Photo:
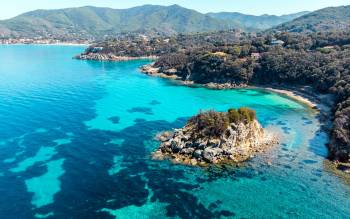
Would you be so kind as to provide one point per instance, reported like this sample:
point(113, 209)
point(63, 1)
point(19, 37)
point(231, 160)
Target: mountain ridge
point(326, 19)
point(259, 22)
point(101, 22)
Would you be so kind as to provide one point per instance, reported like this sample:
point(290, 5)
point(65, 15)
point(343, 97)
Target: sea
point(76, 139)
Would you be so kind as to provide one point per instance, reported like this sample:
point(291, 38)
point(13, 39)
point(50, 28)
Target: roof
point(277, 42)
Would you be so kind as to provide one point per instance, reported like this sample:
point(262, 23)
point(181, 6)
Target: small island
point(215, 138)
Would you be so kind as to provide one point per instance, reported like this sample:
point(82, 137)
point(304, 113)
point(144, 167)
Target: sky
point(11, 8)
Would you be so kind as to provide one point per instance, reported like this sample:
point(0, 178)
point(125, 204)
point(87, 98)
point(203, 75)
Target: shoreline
point(108, 57)
point(295, 96)
point(309, 99)
point(321, 103)
point(47, 44)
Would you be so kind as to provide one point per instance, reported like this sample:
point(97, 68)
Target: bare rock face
point(237, 142)
point(110, 57)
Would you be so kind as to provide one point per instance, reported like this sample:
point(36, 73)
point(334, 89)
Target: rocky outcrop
point(153, 71)
point(173, 74)
point(237, 142)
point(110, 57)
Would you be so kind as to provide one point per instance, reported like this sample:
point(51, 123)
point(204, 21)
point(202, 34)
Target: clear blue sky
point(11, 8)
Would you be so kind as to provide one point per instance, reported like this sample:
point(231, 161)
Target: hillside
point(327, 19)
point(98, 23)
point(93, 22)
point(255, 22)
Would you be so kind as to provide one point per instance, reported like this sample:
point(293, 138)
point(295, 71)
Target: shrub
point(247, 114)
point(214, 124)
point(210, 123)
point(241, 115)
point(233, 116)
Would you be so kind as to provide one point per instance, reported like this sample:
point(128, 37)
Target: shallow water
point(76, 136)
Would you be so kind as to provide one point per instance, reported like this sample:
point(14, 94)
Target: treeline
point(136, 45)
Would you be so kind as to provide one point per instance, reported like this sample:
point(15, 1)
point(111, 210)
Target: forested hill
point(327, 19)
point(99, 23)
point(93, 22)
point(256, 22)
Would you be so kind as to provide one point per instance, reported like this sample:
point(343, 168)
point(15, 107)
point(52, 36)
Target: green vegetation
point(214, 124)
point(100, 23)
point(251, 22)
point(243, 114)
point(319, 60)
point(316, 59)
point(327, 19)
point(210, 123)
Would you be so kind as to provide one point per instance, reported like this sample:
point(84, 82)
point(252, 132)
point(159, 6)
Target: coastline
point(321, 103)
point(295, 95)
point(111, 57)
point(301, 95)
point(47, 44)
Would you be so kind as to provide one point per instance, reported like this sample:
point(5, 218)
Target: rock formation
point(214, 138)
point(110, 57)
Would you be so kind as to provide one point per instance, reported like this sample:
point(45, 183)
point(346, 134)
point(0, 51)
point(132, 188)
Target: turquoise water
point(76, 136)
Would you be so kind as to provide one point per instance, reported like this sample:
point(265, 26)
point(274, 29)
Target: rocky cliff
point(210, 138)
point(110, 57)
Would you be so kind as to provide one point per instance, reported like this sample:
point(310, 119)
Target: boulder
point(210, 154)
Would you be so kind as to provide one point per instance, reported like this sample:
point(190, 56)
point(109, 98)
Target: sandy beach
point(296, 96)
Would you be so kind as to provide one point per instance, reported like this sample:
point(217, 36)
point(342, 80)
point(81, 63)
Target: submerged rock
point(214, 138)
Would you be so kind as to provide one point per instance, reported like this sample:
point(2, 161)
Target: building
point(255, 55)
point(275, 42)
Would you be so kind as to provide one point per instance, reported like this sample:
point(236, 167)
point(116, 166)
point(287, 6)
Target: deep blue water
point(76, 138)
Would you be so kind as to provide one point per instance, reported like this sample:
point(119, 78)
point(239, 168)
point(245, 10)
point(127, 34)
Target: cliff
point(215, 138)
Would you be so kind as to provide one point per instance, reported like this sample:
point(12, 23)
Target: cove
point(84, 130)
